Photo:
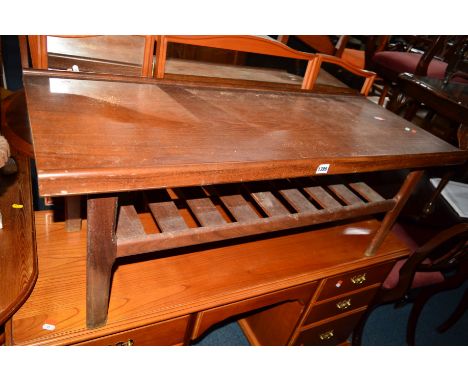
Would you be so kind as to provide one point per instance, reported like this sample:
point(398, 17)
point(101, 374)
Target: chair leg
point(451, 283)
point(383, 94)
point(456, 315)
point(415, 313)
point(429, 206)
point(411, 110)
point(358, 329)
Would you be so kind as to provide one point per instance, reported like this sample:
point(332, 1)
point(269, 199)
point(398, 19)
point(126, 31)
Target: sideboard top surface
point(197, 278)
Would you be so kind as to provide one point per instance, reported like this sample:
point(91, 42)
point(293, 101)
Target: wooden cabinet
point(330, 316)
point(271, 284)
point(339, 304)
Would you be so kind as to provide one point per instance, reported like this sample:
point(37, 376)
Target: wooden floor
point(159, 287)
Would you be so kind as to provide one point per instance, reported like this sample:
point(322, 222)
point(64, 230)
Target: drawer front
point(210, 317)
point(353, 281)
point(164, 333)
point(340, 305)
point(332, 333)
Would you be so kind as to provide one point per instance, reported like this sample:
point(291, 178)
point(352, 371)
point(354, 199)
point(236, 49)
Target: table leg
point(462, 135)
point(102, 248)
point(73, 213)
point(410, 112)
point(429, 206)
point(401, 198)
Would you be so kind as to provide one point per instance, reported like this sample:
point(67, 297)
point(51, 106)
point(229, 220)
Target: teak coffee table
point(225, 162)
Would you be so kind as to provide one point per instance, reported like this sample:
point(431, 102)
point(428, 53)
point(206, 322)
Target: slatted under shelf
point(194, 215)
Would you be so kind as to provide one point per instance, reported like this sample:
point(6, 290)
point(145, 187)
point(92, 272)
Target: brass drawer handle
point(327, 335)
point(125, 343)
point(358, 279)
point(344, 304)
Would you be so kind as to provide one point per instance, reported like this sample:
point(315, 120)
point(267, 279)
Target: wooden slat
point(269, 204)
point(345, 194)
point(298, 201)
point(239, 208)
point(167, 217)
point(129, 224)
point(366, 192)
point(322, 197)
point(206, 212)
point(161, 241)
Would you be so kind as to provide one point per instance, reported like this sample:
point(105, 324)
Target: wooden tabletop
point(450, 100)
point(94, 136)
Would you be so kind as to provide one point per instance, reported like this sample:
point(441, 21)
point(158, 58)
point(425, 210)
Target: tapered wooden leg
point(401, 198)
point(418, 306)
point(456, 315)
point(102, 248)
point(359, 328)
point(383, 94)
point(73, 213)
point(429, 207)
point(462, 135)
point(411, 111)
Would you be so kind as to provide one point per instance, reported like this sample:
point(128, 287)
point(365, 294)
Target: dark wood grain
point(365, 191)
point(129, 225)
point(269, 203)
point(345, 194)
point(15, 123)
point(239, 208)
point(298, 201)
point(167, 216)
point(18, 258)
point(206, 212)
point(101, 251)
point(293, 130)
point(198, 235)
point(73, 213)
point(322, 197)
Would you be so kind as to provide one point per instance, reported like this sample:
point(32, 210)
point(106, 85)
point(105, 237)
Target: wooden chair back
point(121, 55)
point(369, 77)
point(440, 264)
point(259, 45)
point(241, 43)
point(323, 44)
point(445, 252)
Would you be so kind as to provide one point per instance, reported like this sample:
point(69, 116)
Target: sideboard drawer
point(331, 333)
point(340, 305)
point(210, 317)
point(164, 333)
point(355, 280)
